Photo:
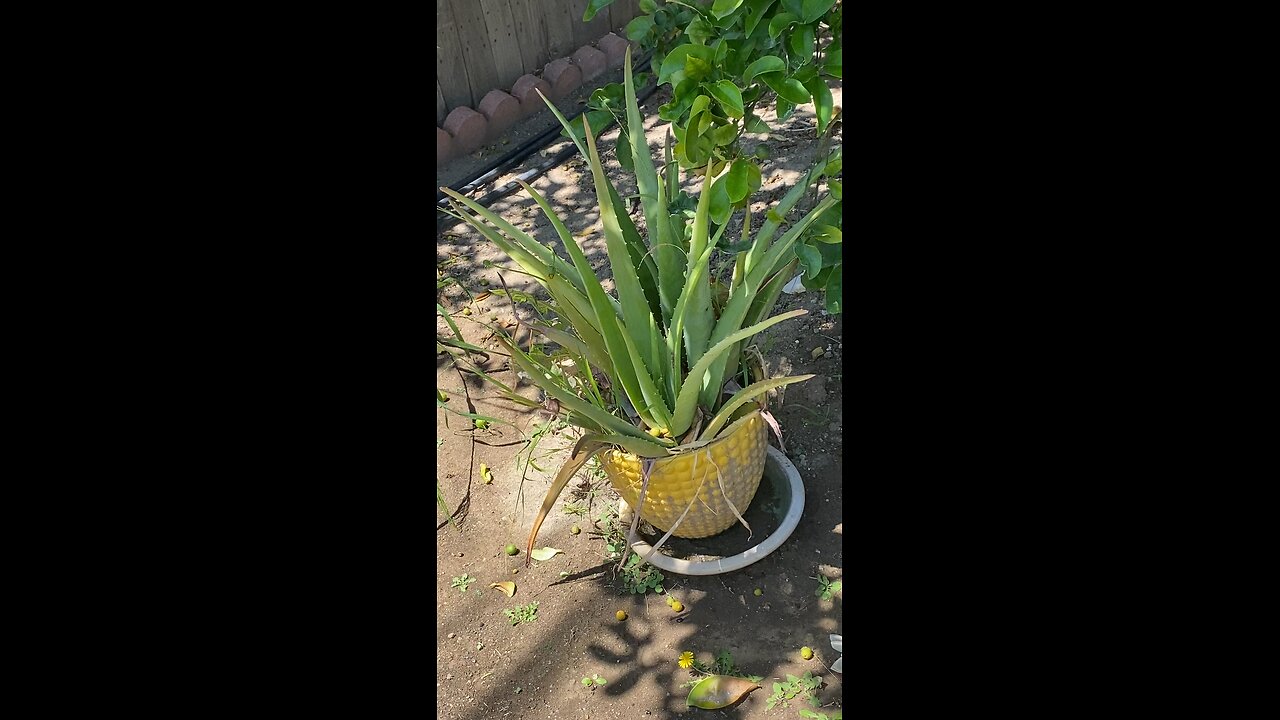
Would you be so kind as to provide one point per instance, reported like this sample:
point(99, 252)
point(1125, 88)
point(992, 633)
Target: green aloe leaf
point(688, 398)
point(744, 396)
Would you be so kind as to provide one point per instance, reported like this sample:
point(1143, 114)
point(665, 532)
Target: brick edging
point(466, 129)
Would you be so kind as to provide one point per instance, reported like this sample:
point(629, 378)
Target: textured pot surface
point(732, 465)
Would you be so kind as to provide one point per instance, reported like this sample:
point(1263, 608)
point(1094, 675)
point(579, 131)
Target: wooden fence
point(484, 45)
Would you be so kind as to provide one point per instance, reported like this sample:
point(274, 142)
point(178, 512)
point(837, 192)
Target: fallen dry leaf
point(507, 587)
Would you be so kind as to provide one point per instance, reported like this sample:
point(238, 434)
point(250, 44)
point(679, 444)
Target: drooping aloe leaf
point(687, 400)
point(526, 242)
point(642, 448)
point(742, 397)
point(718, 691)
point(598, 416)
point(523, 258)
point(592, 354)
point(575, 461)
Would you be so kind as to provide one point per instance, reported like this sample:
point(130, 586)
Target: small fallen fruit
point(677, 606)
point(466, 311)
point(511, 549)
point(758, 592)
point(806, 653)
point(575, 529)
point(620, 615)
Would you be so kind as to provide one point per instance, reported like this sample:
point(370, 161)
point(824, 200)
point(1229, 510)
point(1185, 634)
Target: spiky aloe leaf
point(736, 309)
point(742, 397)
point(688, 398)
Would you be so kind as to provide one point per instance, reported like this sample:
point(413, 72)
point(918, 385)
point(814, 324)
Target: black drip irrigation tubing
point(517, 156)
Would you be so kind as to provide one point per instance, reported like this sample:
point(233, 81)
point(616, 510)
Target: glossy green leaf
point(648, 6)
point(623, 153)
point(800, 41)
point(729, 97)
point(723, 135)
point(832, 62)
point(638, 29)
point(835, 288)
point(721, 8)
point(810, 259)
point(718, 691)
point(784, 108)
point(754, 13)
point(766, 64)
point(788, 89)
point(593, 7)
point(721, 207)
point(822, 102)
point(780, 23)
point(674, 62)
point(811, 10)
point(757, 126)
point(696, 68)
point(827, 233)
point(736, 181)
point(837, 190)
point(700, 31)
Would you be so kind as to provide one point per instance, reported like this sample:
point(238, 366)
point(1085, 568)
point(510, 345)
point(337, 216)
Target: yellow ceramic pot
point(729, 467)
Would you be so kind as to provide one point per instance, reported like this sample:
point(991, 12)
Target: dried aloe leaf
point(545, 553)
point(716, 691)
point(507, 587)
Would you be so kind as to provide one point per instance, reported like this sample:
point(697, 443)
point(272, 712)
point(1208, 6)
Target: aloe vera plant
point(665, 349)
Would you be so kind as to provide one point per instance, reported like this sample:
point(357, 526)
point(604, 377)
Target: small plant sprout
point(462, 582)
point(593, 681)
point(826, 587)
point(804, 688)
point(522, 614)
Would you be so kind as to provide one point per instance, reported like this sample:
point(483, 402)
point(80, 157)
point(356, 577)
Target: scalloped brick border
point(466, 129)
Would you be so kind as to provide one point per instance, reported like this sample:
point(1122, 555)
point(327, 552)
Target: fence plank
point(620, 13)
point(531, 32)
point(442, 108)
point(560, 19)
point(503, 42)
point(451, 66)
point(473, 35)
